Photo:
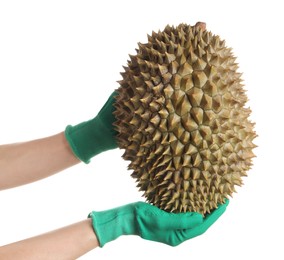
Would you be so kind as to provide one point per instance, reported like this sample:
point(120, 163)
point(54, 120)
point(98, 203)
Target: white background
point(59, 62)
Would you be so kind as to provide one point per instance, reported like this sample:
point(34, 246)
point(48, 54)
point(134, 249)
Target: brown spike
point(189, 123)
point(186, 83)
point(163, 69)
point(197, 114)
point(199, 78)
point(185, 69)
point(199, 64)
point(195, 96)
point(169, 58)
point(177, 148)
point(168, 91)
point(176, 81)
point(173, 121)
point(155, 120)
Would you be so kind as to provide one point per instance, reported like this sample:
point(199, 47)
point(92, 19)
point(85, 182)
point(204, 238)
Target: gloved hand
point(97, 135)
point(151, 223)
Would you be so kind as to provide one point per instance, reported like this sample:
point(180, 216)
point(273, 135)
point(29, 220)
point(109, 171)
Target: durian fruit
point(181, 118)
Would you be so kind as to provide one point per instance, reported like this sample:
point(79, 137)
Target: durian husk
point(182, 119)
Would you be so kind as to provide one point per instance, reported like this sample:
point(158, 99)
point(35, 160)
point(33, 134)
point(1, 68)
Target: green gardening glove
point(151, 223)
point(97, 135)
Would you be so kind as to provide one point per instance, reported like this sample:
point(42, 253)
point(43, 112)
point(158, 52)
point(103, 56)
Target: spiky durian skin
point(181, 118)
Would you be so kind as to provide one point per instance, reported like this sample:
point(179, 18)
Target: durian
point(182, 120)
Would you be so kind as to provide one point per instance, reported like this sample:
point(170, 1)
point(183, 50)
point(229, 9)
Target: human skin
point(26, 162)
point(30, 161)
point(69, 242)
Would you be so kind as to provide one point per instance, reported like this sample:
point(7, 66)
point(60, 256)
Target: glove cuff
point(90, 138)
point(111, 224)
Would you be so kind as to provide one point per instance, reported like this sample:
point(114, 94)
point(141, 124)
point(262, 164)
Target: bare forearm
point(22, 163)
point(69, 242)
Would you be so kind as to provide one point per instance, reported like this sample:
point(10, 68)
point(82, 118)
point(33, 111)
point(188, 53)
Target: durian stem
point(201, 25)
